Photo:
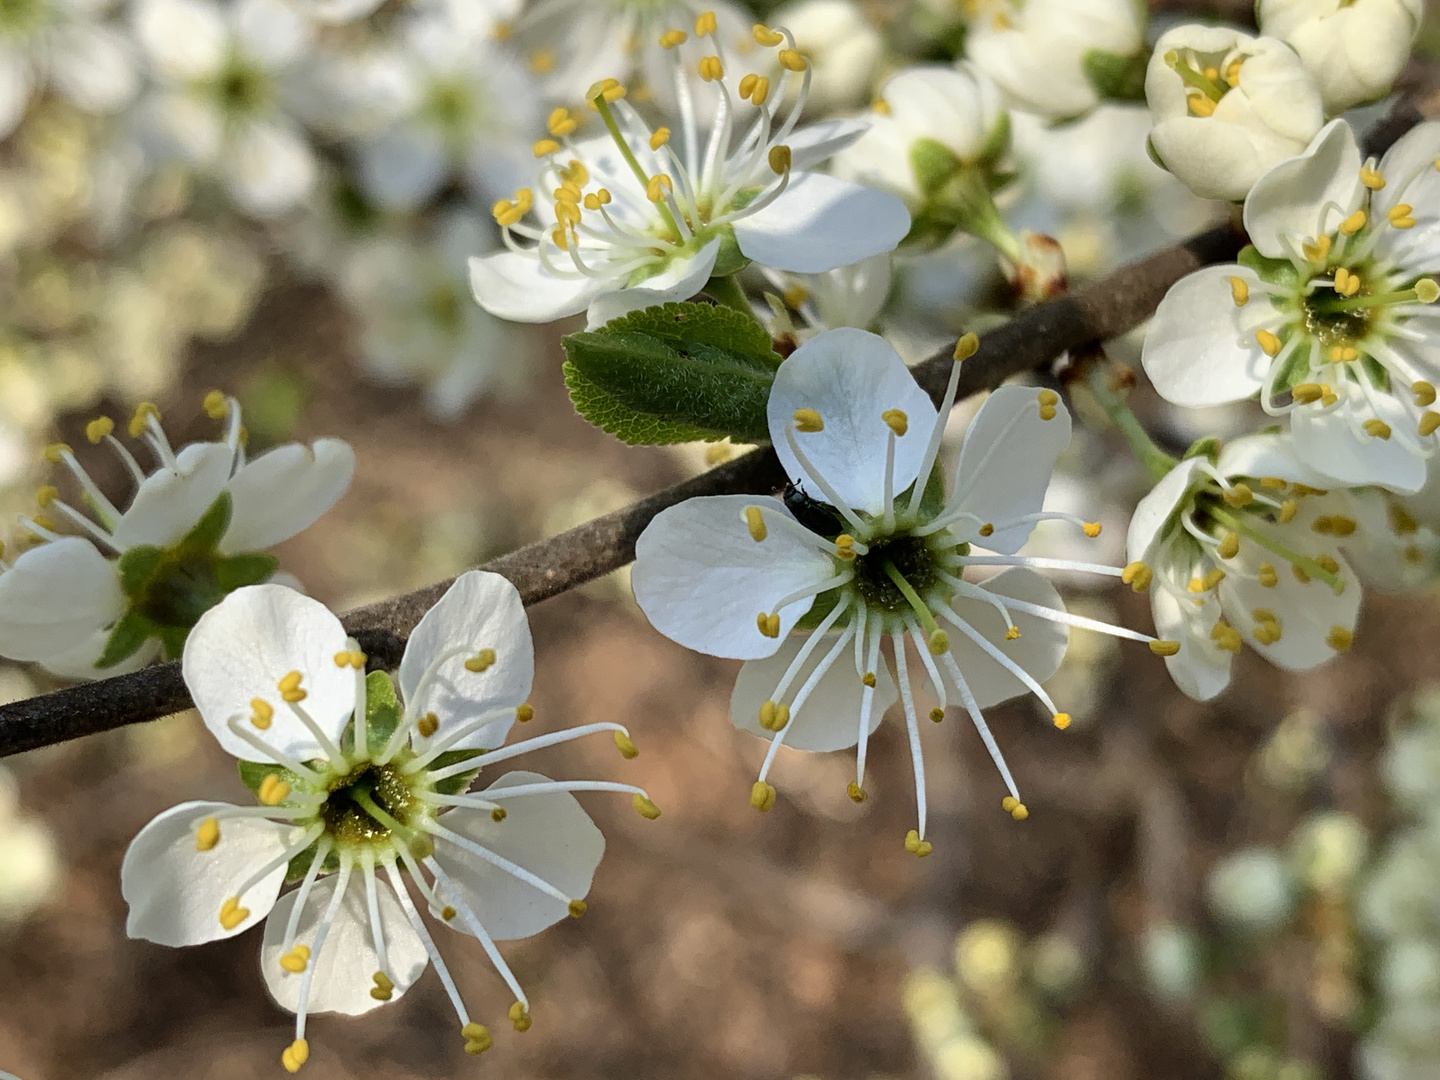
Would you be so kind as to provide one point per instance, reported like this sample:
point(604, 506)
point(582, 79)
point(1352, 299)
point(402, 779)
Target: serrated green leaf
point(126, 638)
point(627, 425)
point(687, 323)
point(206, 534)
point(238, 571)
point(137, 566)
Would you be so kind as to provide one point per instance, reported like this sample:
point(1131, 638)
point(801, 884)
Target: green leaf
point(730, 331)
point(1117, 78)
point(627, 425)
point(126, 638)
point(382, 710)
point(205, 536)
point(456, 784)
point(138, 566)
point(237, 571)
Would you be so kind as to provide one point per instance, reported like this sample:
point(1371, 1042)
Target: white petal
point(1266, 454)
point(816, 143)
point(15, 85)
point(56, 597)
point(701, 579)
point(682, 279)
point(516, 287)
point(284, 491)
point(93, 66)
point(1330, 444)
point(549, 835)
point(1200, 349)
point(480, 611)
point(1308, 195)
point(175, 891)
point(403, 167)
point(821, 222)
point(171, 501)
point(185, 39)
point(1038, 650)
point(269, 168)
point(271, 31)
point(344, 970)
point(1411, 158)
point(829, 719)
point(1006, 463)
point(1201, 669)
point(850, 377)
point(241, 649)
point(1154, 510)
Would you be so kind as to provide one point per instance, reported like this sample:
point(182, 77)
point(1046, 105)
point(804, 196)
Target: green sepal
point(1208, 448)
point(729, 259)
point(1116, 78)
point(933, 164)
point(453, 785)
point(126, 638)
point(137, 566)
point(996, 145)
point(382, 711)
point(238, 571)
point(253, 774)
point(207, 533)
point(1274, 271)
point(674, 373)
point(172, 640)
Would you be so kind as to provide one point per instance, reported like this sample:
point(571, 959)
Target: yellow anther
point(98, 428)
point(1272, 483)
point(261, 713)
point(427, 725)
point(896, 421)
point(502, 31)
point(1009, 803)
point(1328, 397)
point(1306, 392)
point(44, 522)
point(46, 495)
point(779, 158)
point(1328, 562)
point(1288, 509)
point(644, 807)
point(273, 791)
point(774, 717)
point(868, 679)
point(1062, 720)
point(1020, 812)
point(755, 522)
point(1377, 428)
point(1399, 216)
point(1339, 639)
point(659, 137)
point(1371, 178)
point(295, 1055)
point(1226, 636)
point(987, 529)
point(1012, 634)
point(1138, 576)
point(1268, 342)
point(1346, 283)
point(577, 908)
point(711, 70)
point(561, 122)
point(1239, 291)
point(290, 689)
point(705, 24)
point(207, 835)
point(967, 346)
point(794, 296)
point(768, 625)
point(626, 745)
point(1229, 547)
point(916, 846)
point(507, 213)
point(766, 37)
point(1232, 72)
point(671, 39)
point(881, 107)
point(296, 960)
point(545, 147)
point(1353, 224)
point(756, 88)
point(1238, 495)
point(480, 661)
point(808, 420)
point(1264, 615)
point(1333, 525)
point(596, 199)
point(350, 659)
point(1427, 290)
point(855, 791)
point(1212, 579)
point(1402, 523)
point(1200, 105)
point(1091, 529)
point(567, 213)
point(232, 914)
point(1164, 648)
point(55, 452)
point(1047, 412)
point(1317, 250)
point(477, 1038)
point(1301, 575)
point(939, 643)
point(1047, 397)
point(747, 84)
point(658, 187)
point(937, 714)
point(791, 60)
point(541, 61)
point(144, 413)
point(1212, 73)
point(497, 815)
point(1268, 578)
point(1429, 421)
point(762, 796)
point(845, 547)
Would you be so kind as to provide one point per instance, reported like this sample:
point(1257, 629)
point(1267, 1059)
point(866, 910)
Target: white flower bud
point(843, 49)
point(1355, 49)
point(1227, 106)
point(1057, 58)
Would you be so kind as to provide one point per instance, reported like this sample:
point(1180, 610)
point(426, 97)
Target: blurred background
point(1246, 889)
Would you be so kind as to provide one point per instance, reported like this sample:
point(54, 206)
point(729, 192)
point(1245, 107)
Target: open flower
point(636, 218)
point(867, 548)
point(131, 584)
point(360, 790)
point(1328, 317)
point(1227, 106)
point(1355, 48)
point(1244, 549)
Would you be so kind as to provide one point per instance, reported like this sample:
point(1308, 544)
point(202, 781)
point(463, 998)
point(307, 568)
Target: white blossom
point(1354, 48)
point(1328, 317)
point(360, 790)
point(1227, 106)
point(868, 548)
point(844, 48)
point(124, 585)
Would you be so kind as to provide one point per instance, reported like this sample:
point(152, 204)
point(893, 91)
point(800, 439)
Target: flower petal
point(1306, 196)
point(701, 578)
point(851, 378)
point(816, 143)
point(401, 168)
point(1006, 463)
point(93, 65)
point(821, 222)
point(55, 597)
point(1330, 444)
point(1038, 650)
point(175, 891)
point(284, 491)
point(268, 167)
point(16, 83)
point(829, 719)
point(550, 835)
point(343, 971)
point(682, 279)
point(1154, 510)
point(479, 611)
point(1201, 669)
point(241, 649)
point(171, 501)
point(1200, 348)
point(517, 287)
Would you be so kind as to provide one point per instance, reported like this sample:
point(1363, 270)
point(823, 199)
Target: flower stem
point(1155, 460)
point(728, 292)
point(1244, 528)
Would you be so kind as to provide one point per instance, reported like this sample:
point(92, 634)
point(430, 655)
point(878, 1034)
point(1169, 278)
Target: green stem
point(611, 125)
point(911, 596)
point(1244, 528)
point(1156, 461)
point(727, 290)
point(967, 201)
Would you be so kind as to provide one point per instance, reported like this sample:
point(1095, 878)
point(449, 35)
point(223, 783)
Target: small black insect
point(815, 515)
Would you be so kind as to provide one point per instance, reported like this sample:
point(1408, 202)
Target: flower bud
point(1227, 106)
point(1354, 51)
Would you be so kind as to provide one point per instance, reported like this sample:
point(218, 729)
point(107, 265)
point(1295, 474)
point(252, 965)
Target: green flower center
point(243, 88)
point(912, 558)
point(366, 804)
